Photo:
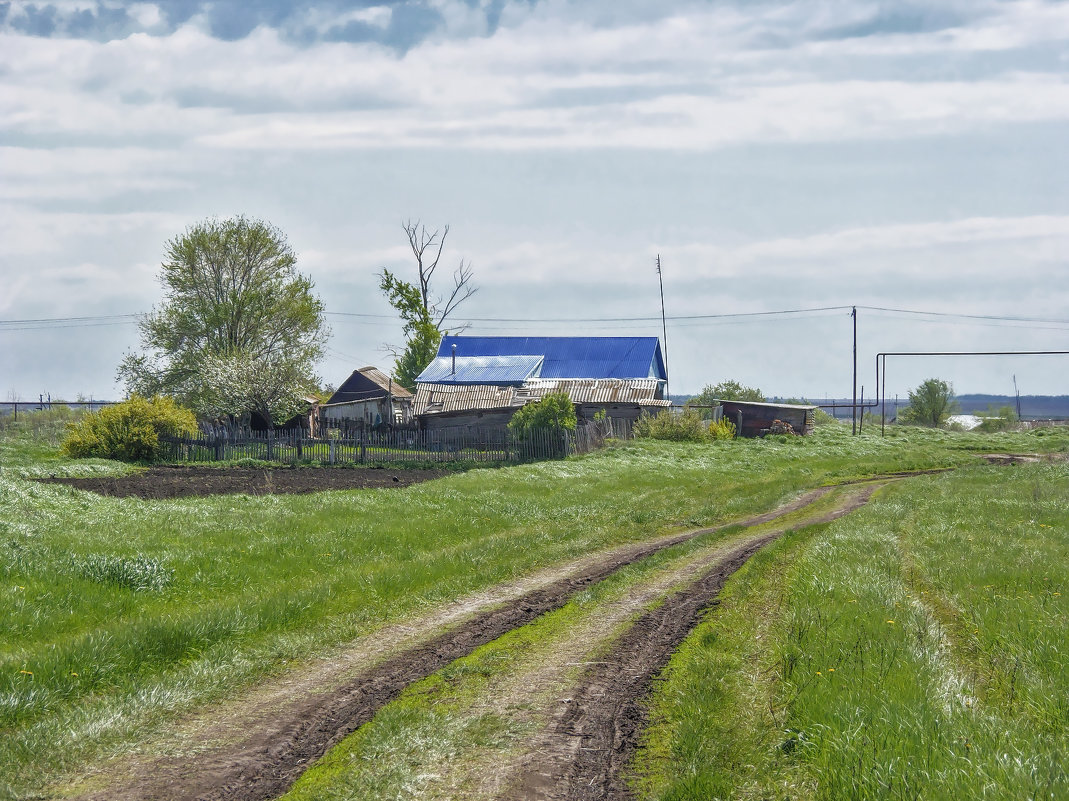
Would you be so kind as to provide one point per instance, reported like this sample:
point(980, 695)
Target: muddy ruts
point(599, 732)
point(266, 762)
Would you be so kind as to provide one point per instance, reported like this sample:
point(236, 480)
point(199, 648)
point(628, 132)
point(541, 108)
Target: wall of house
point(473, 421)
point(368, 414)
point(617, 411)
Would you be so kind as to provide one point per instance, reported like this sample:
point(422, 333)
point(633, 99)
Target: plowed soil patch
point(191, 482)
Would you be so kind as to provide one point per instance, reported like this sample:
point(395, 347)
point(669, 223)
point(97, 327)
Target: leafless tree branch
point(462, 290)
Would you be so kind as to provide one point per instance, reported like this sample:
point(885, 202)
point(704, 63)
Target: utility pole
point(664, 325)
point(853, 314)
point(1017, 395)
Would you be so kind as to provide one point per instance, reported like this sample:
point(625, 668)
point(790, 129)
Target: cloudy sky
point(899, 156)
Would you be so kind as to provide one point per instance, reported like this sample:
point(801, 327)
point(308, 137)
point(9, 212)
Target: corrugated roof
point(367, 383)
point(438, 398)
point(642, 391)
point(376, 376)
point(570, 357)
point(481, 370)
point(766, 405)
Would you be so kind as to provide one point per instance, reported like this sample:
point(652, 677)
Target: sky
point(907, 158)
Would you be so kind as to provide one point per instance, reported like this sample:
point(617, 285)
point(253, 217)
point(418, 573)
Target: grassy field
point(123, 614)
point(915, 649)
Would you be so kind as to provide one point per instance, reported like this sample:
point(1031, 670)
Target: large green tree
point(423, 313)
point(239, 330)
point(712, 394)
point(930, 404)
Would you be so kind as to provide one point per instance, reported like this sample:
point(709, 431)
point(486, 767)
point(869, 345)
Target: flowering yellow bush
point(128, 431)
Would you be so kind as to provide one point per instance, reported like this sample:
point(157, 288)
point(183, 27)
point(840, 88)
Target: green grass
point(438, 738)
point(912, 650)
point(121, 613)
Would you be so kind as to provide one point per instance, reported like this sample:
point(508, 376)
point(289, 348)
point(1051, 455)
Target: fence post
point(218, 449)
point(363, 454)
point(331, 450)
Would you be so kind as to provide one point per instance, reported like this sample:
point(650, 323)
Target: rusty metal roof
point(437, 398)
point(367, 383)
point(642, 391)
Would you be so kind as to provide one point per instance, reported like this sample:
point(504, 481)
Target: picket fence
point(445, 445)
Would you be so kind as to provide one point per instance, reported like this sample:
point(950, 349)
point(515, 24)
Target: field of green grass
point(124, 614)
point(915, 649)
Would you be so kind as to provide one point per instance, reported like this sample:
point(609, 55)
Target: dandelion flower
point(891, 622)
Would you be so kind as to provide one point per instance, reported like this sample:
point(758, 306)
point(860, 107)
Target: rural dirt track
point(272, 753)
point(582, 754)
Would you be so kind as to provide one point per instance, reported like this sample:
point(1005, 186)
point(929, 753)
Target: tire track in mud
point(582, 755)
point(266, 763)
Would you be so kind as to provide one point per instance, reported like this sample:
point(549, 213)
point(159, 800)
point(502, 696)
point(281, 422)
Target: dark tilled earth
point(188, 482)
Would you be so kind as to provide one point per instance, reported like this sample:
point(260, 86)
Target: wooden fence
point(378, 448)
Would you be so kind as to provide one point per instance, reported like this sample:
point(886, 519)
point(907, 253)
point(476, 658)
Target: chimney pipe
point(454, 360)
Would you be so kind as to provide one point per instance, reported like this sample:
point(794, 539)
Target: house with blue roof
point(481, 381)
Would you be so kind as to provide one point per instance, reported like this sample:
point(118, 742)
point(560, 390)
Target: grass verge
point(912, 650)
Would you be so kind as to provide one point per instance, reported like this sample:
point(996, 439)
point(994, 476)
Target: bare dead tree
point(427, 248)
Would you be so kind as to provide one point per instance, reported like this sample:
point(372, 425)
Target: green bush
point(128, 431)
point(1000, 419)
point(685, 427)
point(554, 410)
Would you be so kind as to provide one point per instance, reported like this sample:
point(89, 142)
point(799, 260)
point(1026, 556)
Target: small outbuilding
point(367, 399)
point(754, 419)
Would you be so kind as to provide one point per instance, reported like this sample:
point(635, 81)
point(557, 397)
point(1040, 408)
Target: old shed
point(754, 419)
point(367, 399)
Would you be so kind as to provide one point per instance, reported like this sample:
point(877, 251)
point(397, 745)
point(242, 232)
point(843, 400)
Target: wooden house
point(480, 382)
point(367, 399)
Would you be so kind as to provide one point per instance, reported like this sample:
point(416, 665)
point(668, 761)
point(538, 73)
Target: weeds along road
point(263, 743)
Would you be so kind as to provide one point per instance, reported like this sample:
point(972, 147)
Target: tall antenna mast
point(664, 325)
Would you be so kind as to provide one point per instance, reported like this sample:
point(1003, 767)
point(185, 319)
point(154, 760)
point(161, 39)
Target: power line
point(41, 323)
point(999, 317)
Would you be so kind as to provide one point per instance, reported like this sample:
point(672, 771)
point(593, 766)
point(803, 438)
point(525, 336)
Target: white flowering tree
point(239, 330)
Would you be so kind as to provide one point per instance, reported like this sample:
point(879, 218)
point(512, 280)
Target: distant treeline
point(1033, 407)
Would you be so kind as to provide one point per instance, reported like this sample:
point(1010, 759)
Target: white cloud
point(684, 82)
point(890, 241)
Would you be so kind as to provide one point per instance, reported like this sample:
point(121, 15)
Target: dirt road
point(260, 744)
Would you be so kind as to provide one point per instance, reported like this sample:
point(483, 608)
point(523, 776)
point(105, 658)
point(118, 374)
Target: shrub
point(685, 427)
point(554, 410)
point(999, 419)
point(712, 394)
point(128, 431)
point(930, 404)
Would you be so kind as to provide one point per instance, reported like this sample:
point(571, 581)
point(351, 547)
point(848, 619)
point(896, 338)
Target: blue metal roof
point(481, 370)
point(569, 357)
